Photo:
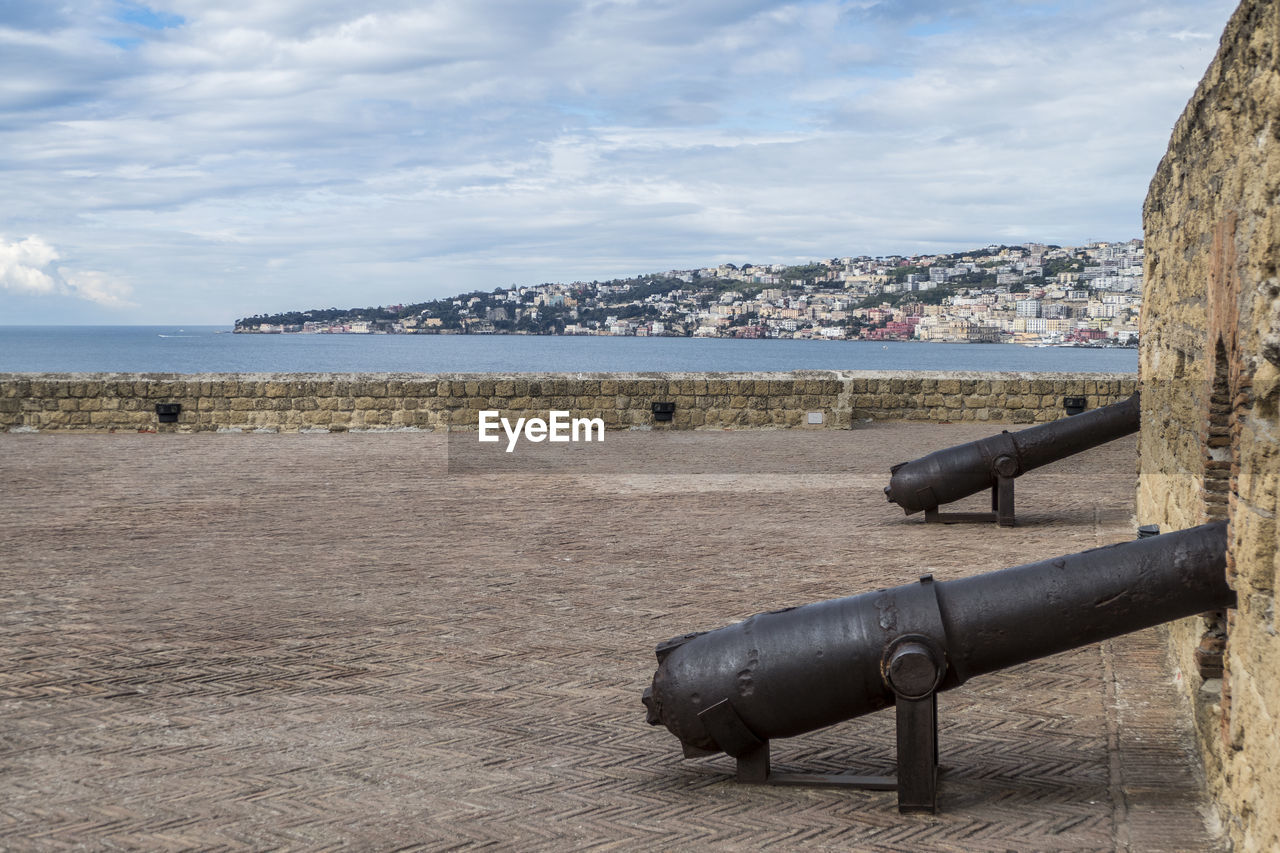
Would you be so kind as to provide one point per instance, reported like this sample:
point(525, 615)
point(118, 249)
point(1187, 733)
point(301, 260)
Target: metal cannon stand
point(912, 666)
point(917, 778)
point(1001, 508)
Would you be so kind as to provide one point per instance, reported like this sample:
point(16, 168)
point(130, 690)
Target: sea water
point(212, 349)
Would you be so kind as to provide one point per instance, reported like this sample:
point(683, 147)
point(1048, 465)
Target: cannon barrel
point(957, 472)
point(787, 672)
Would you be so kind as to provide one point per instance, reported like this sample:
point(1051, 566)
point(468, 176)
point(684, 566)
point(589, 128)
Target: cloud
point(245, 156)
point(97, 287)
point(27, 268)
point(22, 263)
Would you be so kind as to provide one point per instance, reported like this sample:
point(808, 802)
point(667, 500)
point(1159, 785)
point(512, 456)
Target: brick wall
point(337, 402)
point(1210, 368)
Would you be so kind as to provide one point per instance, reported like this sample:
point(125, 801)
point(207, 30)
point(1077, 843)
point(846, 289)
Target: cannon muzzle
point(990, 463)
point(791, 671)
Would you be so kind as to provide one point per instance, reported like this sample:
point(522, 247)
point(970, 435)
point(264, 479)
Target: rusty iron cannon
point(966, 469)
point(787, 672)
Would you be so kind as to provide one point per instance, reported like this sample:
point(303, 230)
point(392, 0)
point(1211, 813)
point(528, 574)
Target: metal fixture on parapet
point(966, 469)
point(663, 411)
point(792, 671)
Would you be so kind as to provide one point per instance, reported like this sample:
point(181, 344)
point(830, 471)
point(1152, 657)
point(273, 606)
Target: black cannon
point(791, 671)
point(966, 469)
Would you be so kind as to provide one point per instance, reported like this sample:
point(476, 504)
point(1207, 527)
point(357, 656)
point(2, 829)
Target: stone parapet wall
point(1210, 368)
point(339, 402)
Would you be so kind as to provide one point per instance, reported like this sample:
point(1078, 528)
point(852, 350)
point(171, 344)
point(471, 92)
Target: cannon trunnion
point(791, 671)
point(966, 469)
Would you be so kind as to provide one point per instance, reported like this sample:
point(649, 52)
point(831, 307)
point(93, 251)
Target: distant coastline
point(1129, 343)
point(1032, 294)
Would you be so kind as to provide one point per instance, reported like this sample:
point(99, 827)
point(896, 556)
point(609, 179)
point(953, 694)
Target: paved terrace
point(318, 641)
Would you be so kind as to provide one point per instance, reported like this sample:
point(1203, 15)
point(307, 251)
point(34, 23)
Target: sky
point(191, 161)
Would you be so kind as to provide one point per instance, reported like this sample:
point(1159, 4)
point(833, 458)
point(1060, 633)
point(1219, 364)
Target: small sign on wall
point(815, 417)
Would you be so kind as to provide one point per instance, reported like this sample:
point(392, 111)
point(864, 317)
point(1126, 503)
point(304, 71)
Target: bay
point(213, 349)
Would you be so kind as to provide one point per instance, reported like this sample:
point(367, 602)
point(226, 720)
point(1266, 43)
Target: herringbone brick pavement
point(222, 642)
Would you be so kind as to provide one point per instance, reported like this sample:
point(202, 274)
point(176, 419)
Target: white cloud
point(97, 287)
point(22, 263)
point(27, 267)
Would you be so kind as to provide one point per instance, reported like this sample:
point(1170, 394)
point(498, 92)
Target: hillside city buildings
point(1032, 294)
